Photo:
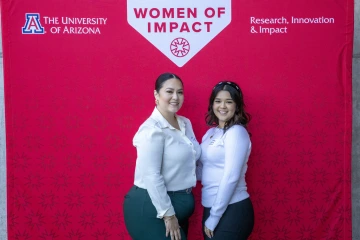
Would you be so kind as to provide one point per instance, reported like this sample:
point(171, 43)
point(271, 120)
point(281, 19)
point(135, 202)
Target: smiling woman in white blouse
point(225, 149)
point(160, 203)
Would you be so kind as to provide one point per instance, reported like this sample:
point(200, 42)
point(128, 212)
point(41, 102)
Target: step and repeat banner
point(79, 81)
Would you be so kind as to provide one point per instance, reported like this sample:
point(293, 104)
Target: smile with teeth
point(174, 103)
point(222, 112)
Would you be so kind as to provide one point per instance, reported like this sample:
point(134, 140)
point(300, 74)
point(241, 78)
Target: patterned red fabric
point(74, 101)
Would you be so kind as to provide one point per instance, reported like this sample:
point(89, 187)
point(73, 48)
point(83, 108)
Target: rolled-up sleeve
point(149, 143)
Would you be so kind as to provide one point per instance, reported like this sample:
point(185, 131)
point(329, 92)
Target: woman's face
point(224, 107)
point(170, 97)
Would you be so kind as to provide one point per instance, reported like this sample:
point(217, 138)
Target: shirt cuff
point(212, 222)
point(169, 212)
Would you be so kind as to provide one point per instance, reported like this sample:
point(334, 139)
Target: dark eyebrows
point(173, 89)
point(227, 99)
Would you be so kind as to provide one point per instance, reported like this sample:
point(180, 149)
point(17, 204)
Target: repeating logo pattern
point(299, 190)
point(70, 158)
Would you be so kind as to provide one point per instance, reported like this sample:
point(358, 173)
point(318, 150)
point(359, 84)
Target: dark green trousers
point(140, 214)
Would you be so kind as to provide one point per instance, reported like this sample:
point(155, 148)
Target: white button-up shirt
point(166, 159)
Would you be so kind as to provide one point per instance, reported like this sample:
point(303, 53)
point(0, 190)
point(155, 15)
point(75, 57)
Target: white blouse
point(222, 168)
point(166, 159)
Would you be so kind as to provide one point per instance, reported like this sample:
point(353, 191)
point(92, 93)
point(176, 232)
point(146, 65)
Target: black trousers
point(236, 223)
point(140, 214)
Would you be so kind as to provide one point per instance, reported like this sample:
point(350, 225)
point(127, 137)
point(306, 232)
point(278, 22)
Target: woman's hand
point(208, 232)
point(172, 227)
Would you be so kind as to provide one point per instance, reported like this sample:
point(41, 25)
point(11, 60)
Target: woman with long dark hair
point(225, 149)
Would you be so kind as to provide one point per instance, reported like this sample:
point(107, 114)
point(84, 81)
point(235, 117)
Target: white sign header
point(179, 28)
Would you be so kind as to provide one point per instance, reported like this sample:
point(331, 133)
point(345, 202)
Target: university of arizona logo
point(32, 24)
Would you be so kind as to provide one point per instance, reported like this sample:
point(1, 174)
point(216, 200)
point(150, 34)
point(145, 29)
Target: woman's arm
point(191, 135)
point(149, 142)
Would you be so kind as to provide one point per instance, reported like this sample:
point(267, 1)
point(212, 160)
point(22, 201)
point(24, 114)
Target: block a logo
point(32, 24)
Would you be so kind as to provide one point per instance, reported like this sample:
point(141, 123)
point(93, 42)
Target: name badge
point(216, 142)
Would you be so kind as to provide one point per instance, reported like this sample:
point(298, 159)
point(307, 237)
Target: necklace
point(215, 131)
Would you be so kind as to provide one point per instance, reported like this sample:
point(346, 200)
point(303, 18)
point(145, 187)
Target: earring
point(156, 101)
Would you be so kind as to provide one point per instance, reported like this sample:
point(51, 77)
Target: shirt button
point(190, 143)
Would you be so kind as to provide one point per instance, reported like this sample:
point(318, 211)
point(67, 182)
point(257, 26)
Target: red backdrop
point(74, 101)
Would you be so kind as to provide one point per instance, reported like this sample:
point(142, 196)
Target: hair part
point(241, 117)
point(163, 78)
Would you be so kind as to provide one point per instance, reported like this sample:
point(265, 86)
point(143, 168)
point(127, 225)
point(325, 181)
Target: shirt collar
point(164, 123)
